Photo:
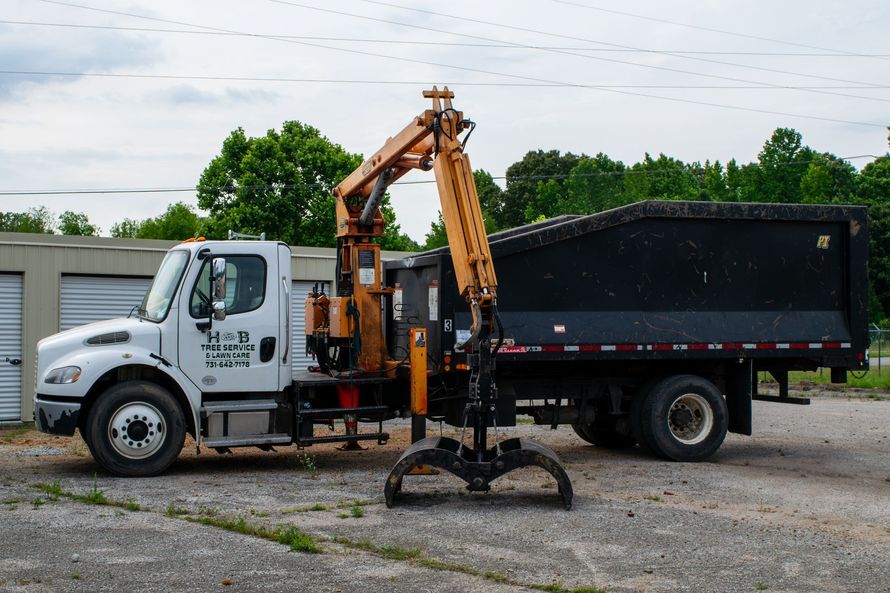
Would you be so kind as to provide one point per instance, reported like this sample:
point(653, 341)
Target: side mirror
point(218, 288)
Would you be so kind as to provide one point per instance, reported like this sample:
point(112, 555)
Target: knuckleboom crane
point(350, 324)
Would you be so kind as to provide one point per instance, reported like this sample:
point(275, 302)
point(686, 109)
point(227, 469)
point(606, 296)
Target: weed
point(345, 504)
point(207, 511)
point(54, 489)
point(174, 511)
point(308, 464)
point(654, 498)
point(557, 588)
point(94, 496)
point(316, 507)
point(760, 587)
point(9, 435)
point(75, 576)
point(298, 540)
point(38, 502)
point(388, 552)
point(357, 512)
point(343, 515)
point(257, 513)
point(132, 505)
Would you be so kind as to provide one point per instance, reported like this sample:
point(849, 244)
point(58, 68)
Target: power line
point(203, 77)
point(261, 187)
point(562, 36)
point(476, 70)
point(709, 29)
point(450, 44)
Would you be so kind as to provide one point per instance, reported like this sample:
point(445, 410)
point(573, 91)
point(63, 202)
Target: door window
point(245, 286)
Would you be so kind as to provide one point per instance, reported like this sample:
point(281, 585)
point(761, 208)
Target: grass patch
point(876, 378)
point(93, 496)
point(357, 512)
point(654, 498)
point(760, 587)
point(8, 435)
point(316, 507)
point(293, 537)
point(175, 511)
point(557, 588)
point(388, 552)
point(75, 576)
point(345, 504)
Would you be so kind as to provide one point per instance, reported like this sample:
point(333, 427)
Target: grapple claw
point(447, 454)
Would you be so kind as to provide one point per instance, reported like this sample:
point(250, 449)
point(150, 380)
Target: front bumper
point(56, 416)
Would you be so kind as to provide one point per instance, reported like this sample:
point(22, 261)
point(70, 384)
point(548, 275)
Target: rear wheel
point(135, 428)
point(682, 418)
point(610, 432)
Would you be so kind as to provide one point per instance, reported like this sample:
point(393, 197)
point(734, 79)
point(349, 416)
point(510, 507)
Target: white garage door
point(86, 299)
point(10, 346)
point(299, 360)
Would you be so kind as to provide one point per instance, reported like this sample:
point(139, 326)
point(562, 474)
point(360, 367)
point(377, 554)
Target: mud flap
point(447, 454)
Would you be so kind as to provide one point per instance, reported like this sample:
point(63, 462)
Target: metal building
point(50, 283)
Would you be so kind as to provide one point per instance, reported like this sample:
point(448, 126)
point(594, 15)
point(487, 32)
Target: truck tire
point(682, 418)
point(135, 428)
point(603, 432)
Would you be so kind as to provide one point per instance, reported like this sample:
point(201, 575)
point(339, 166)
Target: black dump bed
point(661, 279)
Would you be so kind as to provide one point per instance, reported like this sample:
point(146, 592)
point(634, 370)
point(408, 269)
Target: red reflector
point(860, 356)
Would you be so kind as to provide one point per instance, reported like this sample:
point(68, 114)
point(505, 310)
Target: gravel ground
point(804, 505)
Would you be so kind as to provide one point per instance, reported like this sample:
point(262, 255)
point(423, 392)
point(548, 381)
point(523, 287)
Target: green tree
point(128, 228)
point(828, 180)
point(873, 183)
point(34, 220)
point(783, 162)
point(522, 185)
point(437, 237)
point(281, 184)
point(178, 222)
point(873, 190)
point(76, 223)
point(594, 184)
point(664, 178)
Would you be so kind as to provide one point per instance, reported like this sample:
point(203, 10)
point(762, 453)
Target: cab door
point(239, 353)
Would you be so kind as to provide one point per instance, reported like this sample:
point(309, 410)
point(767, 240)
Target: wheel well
point(136, 373)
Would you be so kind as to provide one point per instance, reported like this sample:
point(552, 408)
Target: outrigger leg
point(478, 465)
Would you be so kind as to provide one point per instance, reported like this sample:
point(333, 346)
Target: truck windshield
point(157, 300)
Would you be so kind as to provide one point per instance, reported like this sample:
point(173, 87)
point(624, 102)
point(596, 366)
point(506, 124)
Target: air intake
point(106, 339)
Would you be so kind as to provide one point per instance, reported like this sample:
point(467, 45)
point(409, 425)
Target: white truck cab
point(206, 353)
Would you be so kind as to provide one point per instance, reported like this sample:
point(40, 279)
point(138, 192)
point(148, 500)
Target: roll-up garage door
point(299, 360)
point(86, 299)
point(10, 346)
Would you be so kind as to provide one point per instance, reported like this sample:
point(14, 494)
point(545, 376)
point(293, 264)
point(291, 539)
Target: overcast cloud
point(71, 132)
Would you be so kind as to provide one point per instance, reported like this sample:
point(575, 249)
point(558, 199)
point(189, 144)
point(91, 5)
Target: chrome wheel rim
point(690, 418)
point(137, 430)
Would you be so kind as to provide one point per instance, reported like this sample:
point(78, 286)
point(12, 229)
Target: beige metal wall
point(43, 259)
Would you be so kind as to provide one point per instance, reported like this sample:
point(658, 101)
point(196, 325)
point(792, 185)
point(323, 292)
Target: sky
point(118, 101)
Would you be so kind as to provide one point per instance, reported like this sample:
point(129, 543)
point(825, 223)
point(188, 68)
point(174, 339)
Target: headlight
point(63, 375)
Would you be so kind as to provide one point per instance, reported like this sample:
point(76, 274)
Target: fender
point(97, 363)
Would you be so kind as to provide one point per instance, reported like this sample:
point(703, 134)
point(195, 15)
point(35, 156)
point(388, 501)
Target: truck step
point(249, 439)
point(340, 412)
point(240, 405)
point(380, 437)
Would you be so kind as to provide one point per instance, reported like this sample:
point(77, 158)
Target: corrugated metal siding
point(11, 346)
point(86, 299)
point(299, 360)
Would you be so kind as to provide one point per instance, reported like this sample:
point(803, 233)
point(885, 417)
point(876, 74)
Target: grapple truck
point(644, 324)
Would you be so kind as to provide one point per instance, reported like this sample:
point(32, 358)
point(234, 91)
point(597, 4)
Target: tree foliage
point(76, 223)
point(178, 222)
point(35, 220)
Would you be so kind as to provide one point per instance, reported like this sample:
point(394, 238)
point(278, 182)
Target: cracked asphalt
point(802, 506)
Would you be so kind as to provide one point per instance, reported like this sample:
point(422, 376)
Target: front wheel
point(682, 418)
point(135, 428)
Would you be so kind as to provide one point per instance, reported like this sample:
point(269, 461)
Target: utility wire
point(477, 70)
point(403, 82)
point(450, 44)
point(261, 187)
point(590, 57)
point(709, 29)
